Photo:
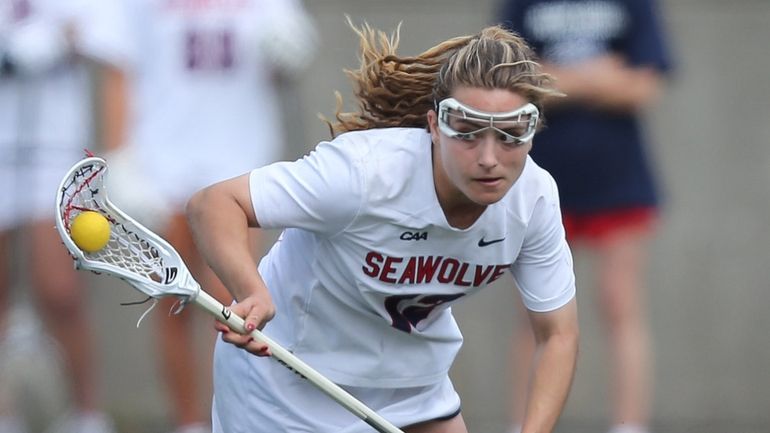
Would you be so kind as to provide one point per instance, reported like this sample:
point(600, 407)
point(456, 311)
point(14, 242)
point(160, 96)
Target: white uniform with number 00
point(364, 278)
point(45, 111)
point(204, 102)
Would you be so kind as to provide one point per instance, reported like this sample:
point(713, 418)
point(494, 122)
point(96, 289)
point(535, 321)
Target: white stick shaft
point(290, 361)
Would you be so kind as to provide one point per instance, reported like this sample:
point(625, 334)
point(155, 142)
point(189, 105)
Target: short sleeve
point(544, 270)
point(322, 192)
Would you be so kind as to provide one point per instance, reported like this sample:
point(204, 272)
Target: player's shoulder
point(383, 143)
point(386, 160)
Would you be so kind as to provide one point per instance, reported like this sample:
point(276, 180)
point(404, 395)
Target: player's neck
point(464, 216)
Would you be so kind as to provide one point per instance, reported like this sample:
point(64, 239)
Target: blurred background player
point(609, 57)
point(196, 101)
point(45, 122)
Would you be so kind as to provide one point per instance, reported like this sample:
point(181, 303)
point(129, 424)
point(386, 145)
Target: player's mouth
point(490, 182)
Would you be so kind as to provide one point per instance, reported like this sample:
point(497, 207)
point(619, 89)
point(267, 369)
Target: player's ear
point(432, 118)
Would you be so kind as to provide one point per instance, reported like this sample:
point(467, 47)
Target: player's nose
point(487, 156)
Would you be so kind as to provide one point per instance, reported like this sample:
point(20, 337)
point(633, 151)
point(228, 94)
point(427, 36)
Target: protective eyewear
point(460, 121)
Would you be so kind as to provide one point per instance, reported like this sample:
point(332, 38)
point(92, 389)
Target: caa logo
point(416, 236)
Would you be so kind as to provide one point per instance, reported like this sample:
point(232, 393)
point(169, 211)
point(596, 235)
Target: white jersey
point(45, 110)
point(204, 101)
point(48, 106)
point(364, 278)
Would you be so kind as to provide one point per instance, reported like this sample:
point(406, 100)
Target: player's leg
point(176, 343)
point(179, 348)
point(453, 425)
point(8, 421)
point(622, 256)
point(9, 217)
point(62, 305)
point(58, 291)
point(5, 295)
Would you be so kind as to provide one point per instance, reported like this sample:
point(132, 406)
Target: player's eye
point(516, 131)
point(509, 139)
point(506, 138)
point(467, 136)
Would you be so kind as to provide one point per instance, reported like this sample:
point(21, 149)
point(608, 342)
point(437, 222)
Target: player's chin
point(487, 198)
point(488, 194)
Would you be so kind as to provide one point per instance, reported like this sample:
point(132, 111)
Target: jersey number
point(406, 311)
point(209, 50)
point(20, 9)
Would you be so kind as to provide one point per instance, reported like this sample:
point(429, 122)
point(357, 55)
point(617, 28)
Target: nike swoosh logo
point(483, 243)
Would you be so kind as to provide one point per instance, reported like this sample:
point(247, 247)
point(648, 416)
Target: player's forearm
point(221, 233)
point(615, 88)
point(551, 383)
point(632, 90)
point(114, 102)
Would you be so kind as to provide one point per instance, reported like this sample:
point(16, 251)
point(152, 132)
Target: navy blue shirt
point(598, 158)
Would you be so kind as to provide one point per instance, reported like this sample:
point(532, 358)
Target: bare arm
point(556, 336)
point(607, 82)
point(114, 102)
point(220, 217)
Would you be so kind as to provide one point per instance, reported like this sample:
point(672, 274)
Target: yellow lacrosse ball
point(90, 231)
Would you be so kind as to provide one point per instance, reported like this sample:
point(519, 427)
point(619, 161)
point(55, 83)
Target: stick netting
point(126, 249)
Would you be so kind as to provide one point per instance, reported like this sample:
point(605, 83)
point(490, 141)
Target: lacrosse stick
point(149, 263)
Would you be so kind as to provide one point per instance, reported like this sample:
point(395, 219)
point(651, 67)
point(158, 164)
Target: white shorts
point(270, 398)
point(30, 179)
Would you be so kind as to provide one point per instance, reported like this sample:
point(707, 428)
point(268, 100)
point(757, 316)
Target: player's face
point(479, 161)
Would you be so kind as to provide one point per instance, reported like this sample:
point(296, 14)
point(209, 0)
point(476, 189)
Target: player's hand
point(256, 311)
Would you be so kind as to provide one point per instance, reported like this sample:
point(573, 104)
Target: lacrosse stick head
point(133, 253)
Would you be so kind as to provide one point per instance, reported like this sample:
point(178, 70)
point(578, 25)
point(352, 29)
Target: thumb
point(251, 321)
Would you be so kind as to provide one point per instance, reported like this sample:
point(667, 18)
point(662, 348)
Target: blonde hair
point(395, 91)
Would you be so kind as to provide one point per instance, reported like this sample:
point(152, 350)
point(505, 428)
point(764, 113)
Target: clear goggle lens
point(460, 121)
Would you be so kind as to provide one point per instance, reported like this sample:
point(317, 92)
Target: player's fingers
point(252, 322)
point(220, 327)
point(257, 348)
point(232, 337)
point(243, 341)
point(257, 317)
point(229, 335)
point(223, 327)
point(255, 313)
point(246, 342)
point(241, 309)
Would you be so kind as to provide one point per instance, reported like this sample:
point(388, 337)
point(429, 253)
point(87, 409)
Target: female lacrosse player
point(425, 196)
